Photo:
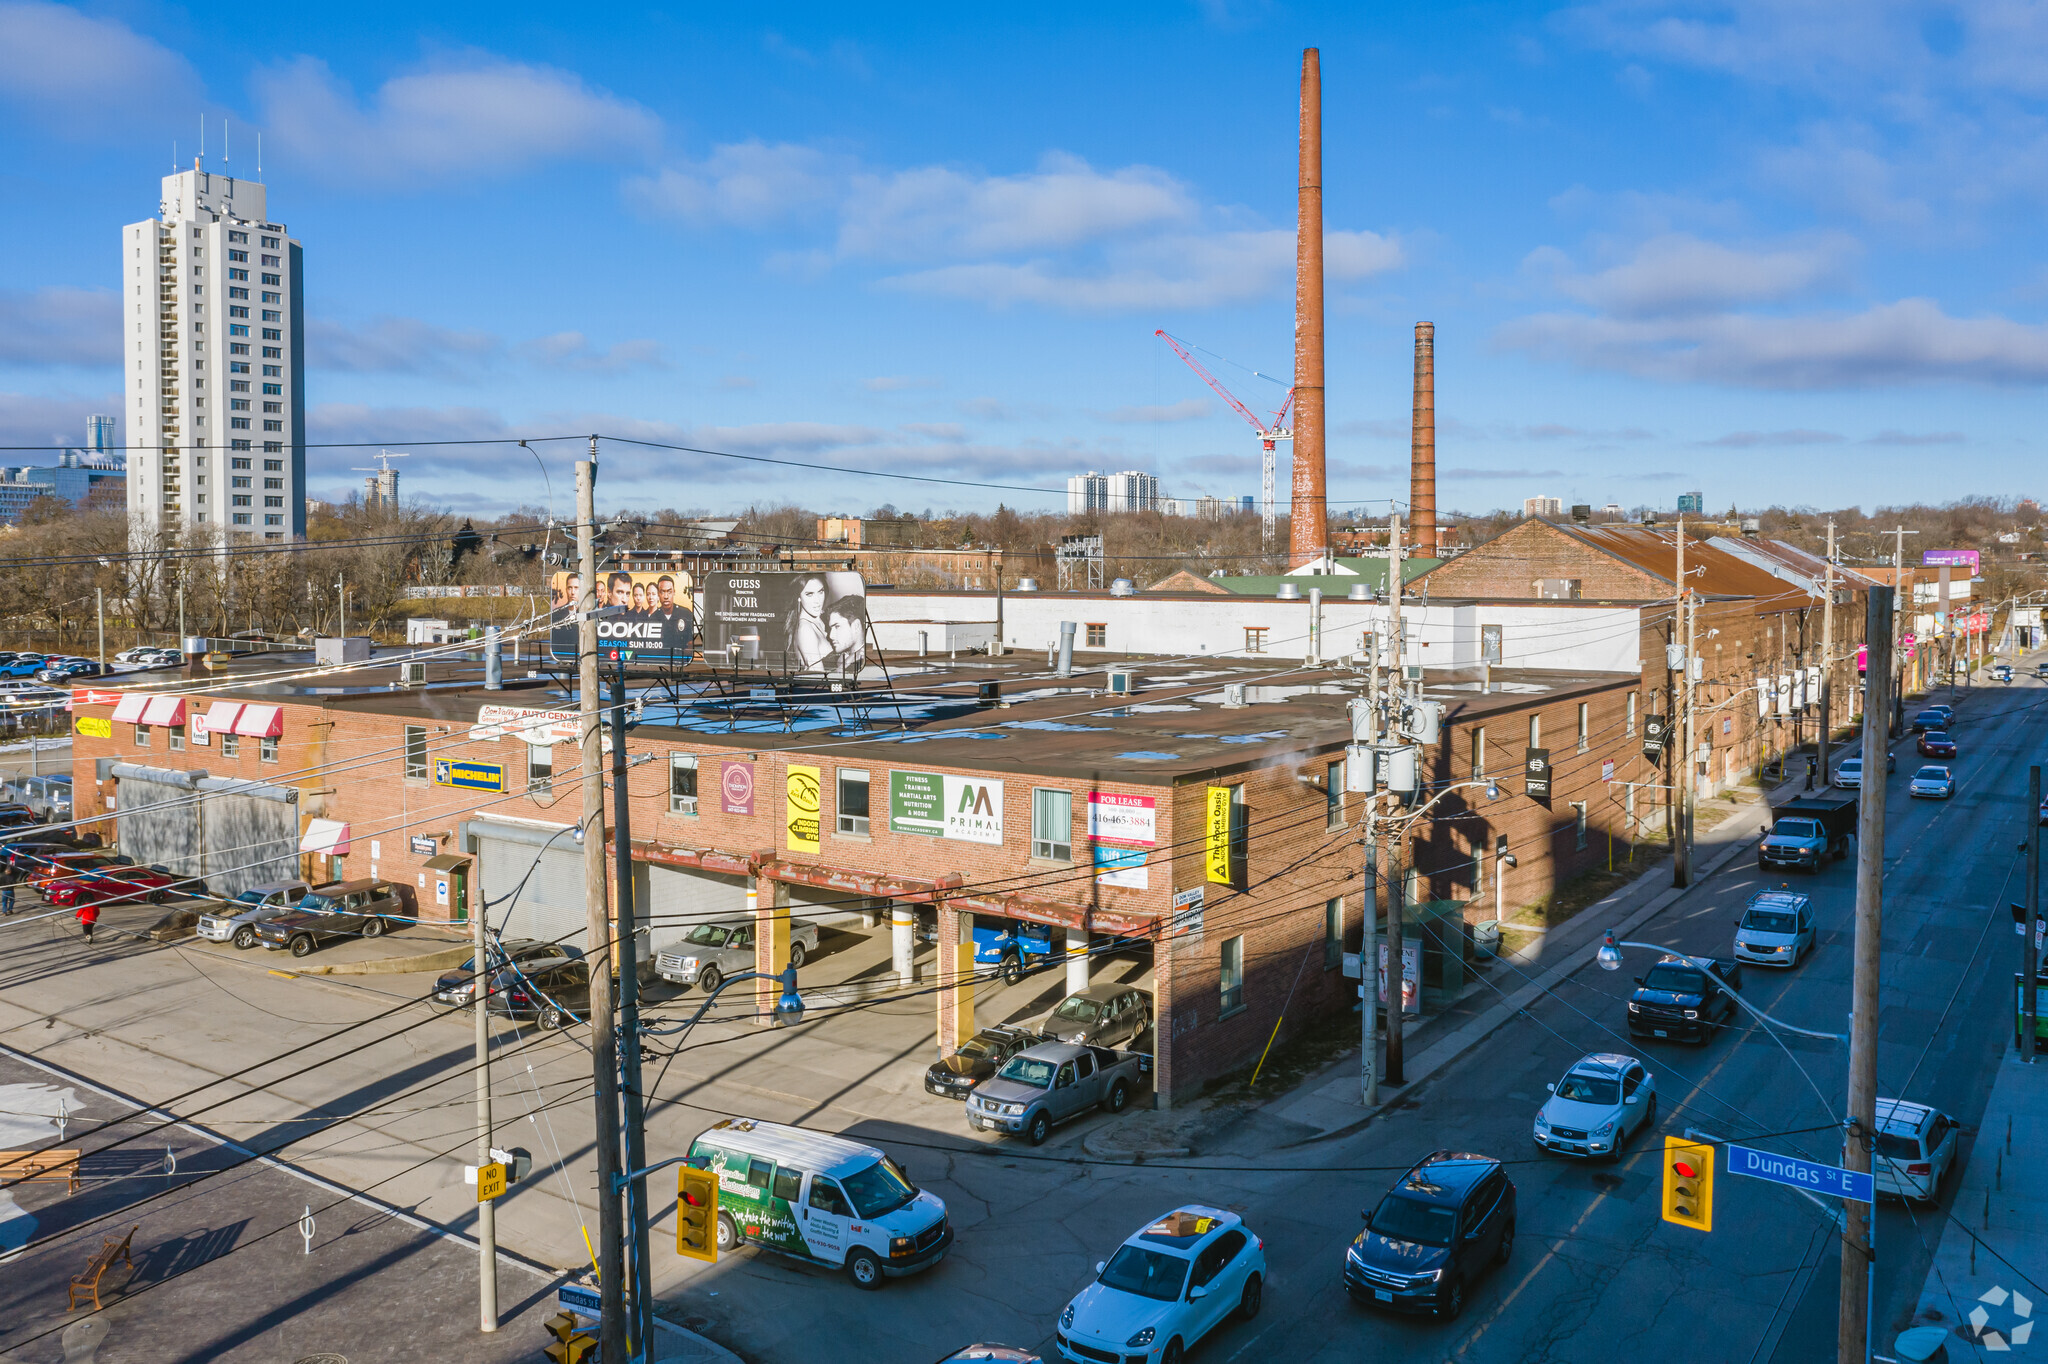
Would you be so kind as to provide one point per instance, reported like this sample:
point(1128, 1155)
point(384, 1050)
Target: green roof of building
point(1371, 572)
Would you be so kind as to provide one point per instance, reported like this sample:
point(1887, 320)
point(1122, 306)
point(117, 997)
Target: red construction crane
point(1268, 435)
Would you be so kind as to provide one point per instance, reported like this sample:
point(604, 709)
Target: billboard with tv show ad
point(656, 620)
point(803, 622)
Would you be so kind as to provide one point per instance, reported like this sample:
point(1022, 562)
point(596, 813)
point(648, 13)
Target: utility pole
point(1827, 657)
point(486, 1210)
point(1900, 596)
point(604, 1041)
point(341, 600)
point(1369, 939)
point(99, 603)
point(2030, 965)
point(1852, 1329)
point(1681, 843)
point(1396, 892)
point(629, 1019)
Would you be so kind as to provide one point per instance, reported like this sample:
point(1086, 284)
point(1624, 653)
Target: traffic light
point(697, 1214)
point(1688, 1184)
point(573, 1342)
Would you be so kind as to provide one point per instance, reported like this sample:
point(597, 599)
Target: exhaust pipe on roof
point(1066, 663)
point(494, 660)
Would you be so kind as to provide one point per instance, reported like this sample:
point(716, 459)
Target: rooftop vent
point(1582, 511)
point(1752, 526)
point(1123, 587)
point(1027, 584)
point(1288, 592)
point(1360, 592)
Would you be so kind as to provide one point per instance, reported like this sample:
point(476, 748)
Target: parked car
point(136, 654)
point(111, 886)
point(1849, 776)
point(18, 821)
point(1937, 744)
point(821, 1199)
point(47, 871)
point(1011, 946)
point(1929, 719)
point(1775, 928)
point(552, 990)
point(49, 796)
point(1946, 712)
point(1915, 1146)
point(1933, 782)
point(23, 859)
point(1169, 1284)
point(1808, 831)
point(70, 668)
point(1602, 1101)
point(1043, 1086)
point(994, 1354)
point(236, 920)
point(458, 987)
point(346, 909)
point(981, 1056)
point(2001, 672)
point(710, 952)
point(1678, 999)
point(1440, 1227)
point(1101, 1016)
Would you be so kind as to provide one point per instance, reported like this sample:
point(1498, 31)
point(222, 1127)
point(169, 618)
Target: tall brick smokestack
point(1422, 446)
point(1308, 535)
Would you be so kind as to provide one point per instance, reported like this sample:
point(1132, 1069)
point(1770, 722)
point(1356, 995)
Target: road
point(1595, 1273)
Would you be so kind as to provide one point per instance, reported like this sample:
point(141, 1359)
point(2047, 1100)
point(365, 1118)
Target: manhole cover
point(321, 1359)
point(695, 1323)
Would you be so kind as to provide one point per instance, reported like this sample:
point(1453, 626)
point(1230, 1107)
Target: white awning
point(328, 836)
point(129, 711)
point(164, 710)
point(260, 722)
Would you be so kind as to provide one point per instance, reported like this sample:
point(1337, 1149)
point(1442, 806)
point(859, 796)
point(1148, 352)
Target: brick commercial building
point(1006, 796)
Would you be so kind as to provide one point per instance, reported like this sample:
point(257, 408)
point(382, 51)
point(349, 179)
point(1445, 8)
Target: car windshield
point(1411, 1219)
point(1936, 736)
point(976, 1048)
point(1078, 1010)
point(706, 935)
point(1590, 1089)
point(1770, 921)
point(1679, 980)
point(1853, 765)
point(878, 1190)
point(1028, 1070)
point(1148, 1273)
point(249, 897)
point(1931, 774)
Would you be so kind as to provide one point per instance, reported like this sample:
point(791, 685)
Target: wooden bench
point(29, 1165)
point(110, 1253)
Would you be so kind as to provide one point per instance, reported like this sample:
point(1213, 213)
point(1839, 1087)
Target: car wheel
point(1507, 1245)
point(157, 897)
point(709, 979)
point(1119, 1095)
point(373, 927)
point(728, 1234)
point(1011, 969)
point(553, 1019)
point(1453, 1301)
point(1040, 1128)
point(1173, 1353)
point(1649, 1114)
point(245, 937)
point(1249, 1301)
point(864, 1269)
point(796, 954)
point(302, 946)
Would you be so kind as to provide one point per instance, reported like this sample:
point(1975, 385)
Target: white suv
point(1915, 1146)
point(1602, 1100)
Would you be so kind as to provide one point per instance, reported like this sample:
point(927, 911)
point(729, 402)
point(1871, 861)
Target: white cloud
point(59, 326)
point(748, 184)
point(1910, 341)
point(481, 117)
point(397, 345)
point(1745, 440)
point(34, 419)
point(84, 76)
point(1677, 273)
point(573, 352)
point(935, 210)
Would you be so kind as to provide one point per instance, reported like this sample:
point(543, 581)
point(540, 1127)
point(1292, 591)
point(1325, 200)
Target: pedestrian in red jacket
point(88, 915)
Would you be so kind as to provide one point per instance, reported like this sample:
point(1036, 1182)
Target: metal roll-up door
point(157, 824)
point(249, 841)
point(822, 905)
point(548, 904)
point(677, 898)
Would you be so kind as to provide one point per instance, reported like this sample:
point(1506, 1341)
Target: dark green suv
point(348, 909)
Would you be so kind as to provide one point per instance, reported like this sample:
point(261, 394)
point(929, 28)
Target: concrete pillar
point(953, 972)
point(1077, 960)
point(903, 942)
point(768, 904)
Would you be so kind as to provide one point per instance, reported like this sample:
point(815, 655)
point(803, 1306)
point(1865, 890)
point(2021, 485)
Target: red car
point(45, 873)
point(111, 886)
point(1935, 744)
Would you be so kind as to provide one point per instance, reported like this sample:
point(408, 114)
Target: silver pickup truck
point(710, 952)
point(1048, 1084)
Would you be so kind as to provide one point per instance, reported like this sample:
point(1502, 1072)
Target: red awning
point(129, 711)
point(260, 722)
point(219, 718)
point(164, 710)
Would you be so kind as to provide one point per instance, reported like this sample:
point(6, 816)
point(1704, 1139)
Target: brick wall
point(1511, 564)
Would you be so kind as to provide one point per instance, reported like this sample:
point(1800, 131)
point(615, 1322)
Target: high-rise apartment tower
point(214, 339)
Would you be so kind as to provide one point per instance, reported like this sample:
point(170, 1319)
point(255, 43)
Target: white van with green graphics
point(820, 1198)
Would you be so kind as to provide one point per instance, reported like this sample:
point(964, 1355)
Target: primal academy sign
point(974, 810)
point(939, 806)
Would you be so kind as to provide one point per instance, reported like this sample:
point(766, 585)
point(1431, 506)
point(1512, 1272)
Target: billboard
point(935, 805)
point(1954, 558)
point(1123, 819)
point(658, 614)
point(802, 808)
point(807, 622)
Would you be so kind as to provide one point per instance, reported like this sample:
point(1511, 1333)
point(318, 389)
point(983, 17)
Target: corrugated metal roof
point(1654, 550)
point(1791, 563)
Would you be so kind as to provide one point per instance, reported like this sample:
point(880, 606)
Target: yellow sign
point(94, 726)
point(490, 1181)
point(1217, 849)
point(801, 788)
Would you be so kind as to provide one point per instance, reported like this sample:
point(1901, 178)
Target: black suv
point(982, 1056)
point(1436, 1231)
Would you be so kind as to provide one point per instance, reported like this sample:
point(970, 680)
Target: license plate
point(1571, 1146)
point(1383, 1295)
point(1659, 1032)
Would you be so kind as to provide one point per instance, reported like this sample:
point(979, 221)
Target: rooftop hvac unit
point(1233, 696)
point(1122, 682)
point(412, 674)
point(1123, 587)
point(1359, 592)
point(1027, 584)
point(1288, 592)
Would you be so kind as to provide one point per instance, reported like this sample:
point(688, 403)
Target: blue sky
point(1782, 252)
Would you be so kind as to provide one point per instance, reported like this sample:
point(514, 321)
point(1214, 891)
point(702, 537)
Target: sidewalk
point(1993, 1256)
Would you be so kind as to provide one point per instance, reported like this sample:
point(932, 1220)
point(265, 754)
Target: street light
point(1609, 957)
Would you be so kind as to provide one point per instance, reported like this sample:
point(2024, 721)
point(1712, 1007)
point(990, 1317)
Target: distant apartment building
point(99, 437)
point(1129, 491)
point(1542, 506)
point(214, 339)
point(91, 477)
point(1692, 504)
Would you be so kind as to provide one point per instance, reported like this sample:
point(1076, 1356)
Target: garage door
point(677, 899)
point(250, 841)
point(157, 825)
point(529, 898)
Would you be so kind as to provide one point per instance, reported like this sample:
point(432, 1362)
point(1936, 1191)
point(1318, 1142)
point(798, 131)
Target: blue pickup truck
point(1013, 947)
